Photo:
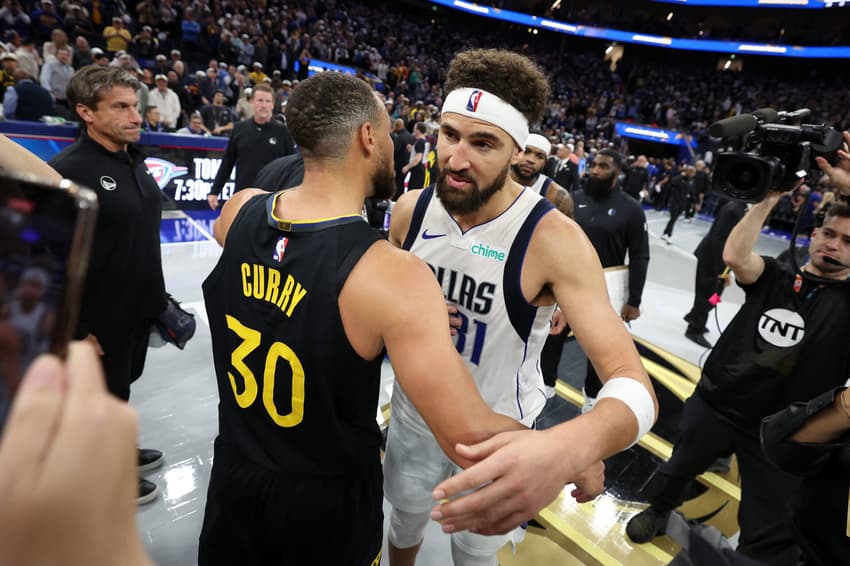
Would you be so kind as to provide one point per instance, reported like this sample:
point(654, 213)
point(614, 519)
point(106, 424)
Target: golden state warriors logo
point(474, 99)
point(280, 248)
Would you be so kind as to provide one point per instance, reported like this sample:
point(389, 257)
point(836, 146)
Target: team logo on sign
point(280, 248)
point(108, 183)
point(163, 171)
point(474, 99)
point(782, 328)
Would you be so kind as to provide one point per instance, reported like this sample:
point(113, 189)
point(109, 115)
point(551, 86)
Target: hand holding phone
point(45, 237)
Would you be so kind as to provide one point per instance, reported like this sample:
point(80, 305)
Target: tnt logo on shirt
point(474, 99)
point(782, 328)
point(280, 248)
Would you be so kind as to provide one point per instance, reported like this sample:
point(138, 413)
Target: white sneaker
point(548, 391)
point(589, 402)
point(665, 237)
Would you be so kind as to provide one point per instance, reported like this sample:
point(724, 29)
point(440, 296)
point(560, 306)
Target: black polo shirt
point(250, 148)
point(124, 283)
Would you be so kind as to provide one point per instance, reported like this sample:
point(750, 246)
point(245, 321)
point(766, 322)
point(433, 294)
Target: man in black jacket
point(710, 266)
point(681, 195)
point(561, 170)
point(125, 290)
point(253, 143)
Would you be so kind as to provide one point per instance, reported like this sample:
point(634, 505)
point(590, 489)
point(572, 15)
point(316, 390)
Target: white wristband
point(637, 399)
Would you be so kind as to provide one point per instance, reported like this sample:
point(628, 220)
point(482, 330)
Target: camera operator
point(788, 342)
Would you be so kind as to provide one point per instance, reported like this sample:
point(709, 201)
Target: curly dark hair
point(514, 78)
point(324, 111)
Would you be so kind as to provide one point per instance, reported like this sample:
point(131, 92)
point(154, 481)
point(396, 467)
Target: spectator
point(44, 20)
point(55, 76)
point(27, 100)
point(116, 36)
point(151, 121)
point(218, 118)
point(195, 127)
point(166, 101)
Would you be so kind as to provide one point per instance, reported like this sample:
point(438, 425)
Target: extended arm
point(738, 252)
point(800, 438)
point(425, 361)
point(527, 470)
point(638, 245)
point(18, 159)
point(227, 162)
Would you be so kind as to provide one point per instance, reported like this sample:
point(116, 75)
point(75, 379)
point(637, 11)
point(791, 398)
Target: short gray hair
point(88, 84)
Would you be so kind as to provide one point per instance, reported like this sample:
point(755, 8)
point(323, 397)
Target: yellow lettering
point(250, 341)
point(296, 414)
point(299, 294)
point(271, 287)
point(259, 281)
point(246, 274)
point(288, 285)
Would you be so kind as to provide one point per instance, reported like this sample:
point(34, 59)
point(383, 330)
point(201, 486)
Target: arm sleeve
point(638, 245)
point(800, 458)
point(227, 162)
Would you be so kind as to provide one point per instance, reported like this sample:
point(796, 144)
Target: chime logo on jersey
point(280, 248)
point(782, 328)
point(474, 99)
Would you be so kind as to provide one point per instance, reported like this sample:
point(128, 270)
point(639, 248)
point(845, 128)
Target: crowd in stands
point(786, 26)
point(197, 62)
point(207, 55)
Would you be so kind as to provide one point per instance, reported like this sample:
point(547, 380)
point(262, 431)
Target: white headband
point(538, 141)
point(480, 104)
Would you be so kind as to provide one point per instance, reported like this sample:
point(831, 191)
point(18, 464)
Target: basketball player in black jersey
point(302, 304)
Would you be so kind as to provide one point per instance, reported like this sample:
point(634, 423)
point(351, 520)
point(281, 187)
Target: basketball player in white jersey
point(529, 173)
point(503, 257)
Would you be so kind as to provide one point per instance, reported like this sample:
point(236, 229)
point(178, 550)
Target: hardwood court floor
point(177, 402)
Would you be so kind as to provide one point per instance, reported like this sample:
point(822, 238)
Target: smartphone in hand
point(45, 237)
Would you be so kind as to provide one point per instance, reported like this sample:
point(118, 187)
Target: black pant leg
point(550, 357)
point(704, 438)
point(592, 383)
point(764, 515)
point(123, 360)
point(705, 284)
point(675, 211)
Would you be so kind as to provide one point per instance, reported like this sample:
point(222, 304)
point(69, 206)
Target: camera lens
point(744, 176)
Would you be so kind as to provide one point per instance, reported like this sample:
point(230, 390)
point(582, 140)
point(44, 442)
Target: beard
point(383, 181)
point(521, 178)
point(466, 201)
point(599, 188)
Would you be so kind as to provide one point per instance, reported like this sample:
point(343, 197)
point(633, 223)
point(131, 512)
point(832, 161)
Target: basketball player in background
point(529, 173)
point(503, 258)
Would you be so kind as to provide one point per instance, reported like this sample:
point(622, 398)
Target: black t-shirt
point(615, 225)
point(124, 283)
point(294, 396)
point(783, 346)
point(636, 180)
point(250, 148)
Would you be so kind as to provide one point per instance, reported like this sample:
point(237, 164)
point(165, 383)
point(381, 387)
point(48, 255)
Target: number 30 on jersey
point(277, 351)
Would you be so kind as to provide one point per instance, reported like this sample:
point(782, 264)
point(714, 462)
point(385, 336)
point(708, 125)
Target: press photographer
point(788, 342)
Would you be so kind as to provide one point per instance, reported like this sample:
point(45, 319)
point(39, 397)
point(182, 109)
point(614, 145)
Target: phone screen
point(41, 247)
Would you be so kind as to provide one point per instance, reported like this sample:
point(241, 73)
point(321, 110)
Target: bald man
point(402, 144)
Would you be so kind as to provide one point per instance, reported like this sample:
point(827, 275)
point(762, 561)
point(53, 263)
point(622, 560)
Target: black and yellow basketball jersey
point(294, 396)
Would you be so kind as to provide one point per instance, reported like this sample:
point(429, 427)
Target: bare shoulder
point(387, 272)
point(230, 210)
point(401, 216)
point(559, 244)
point(561, 198)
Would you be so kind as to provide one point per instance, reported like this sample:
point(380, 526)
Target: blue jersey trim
point(418, 217)
point(520, 312)
point(545, 186)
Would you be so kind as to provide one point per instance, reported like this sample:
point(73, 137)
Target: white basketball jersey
point(479, 270)
point(540, 185)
